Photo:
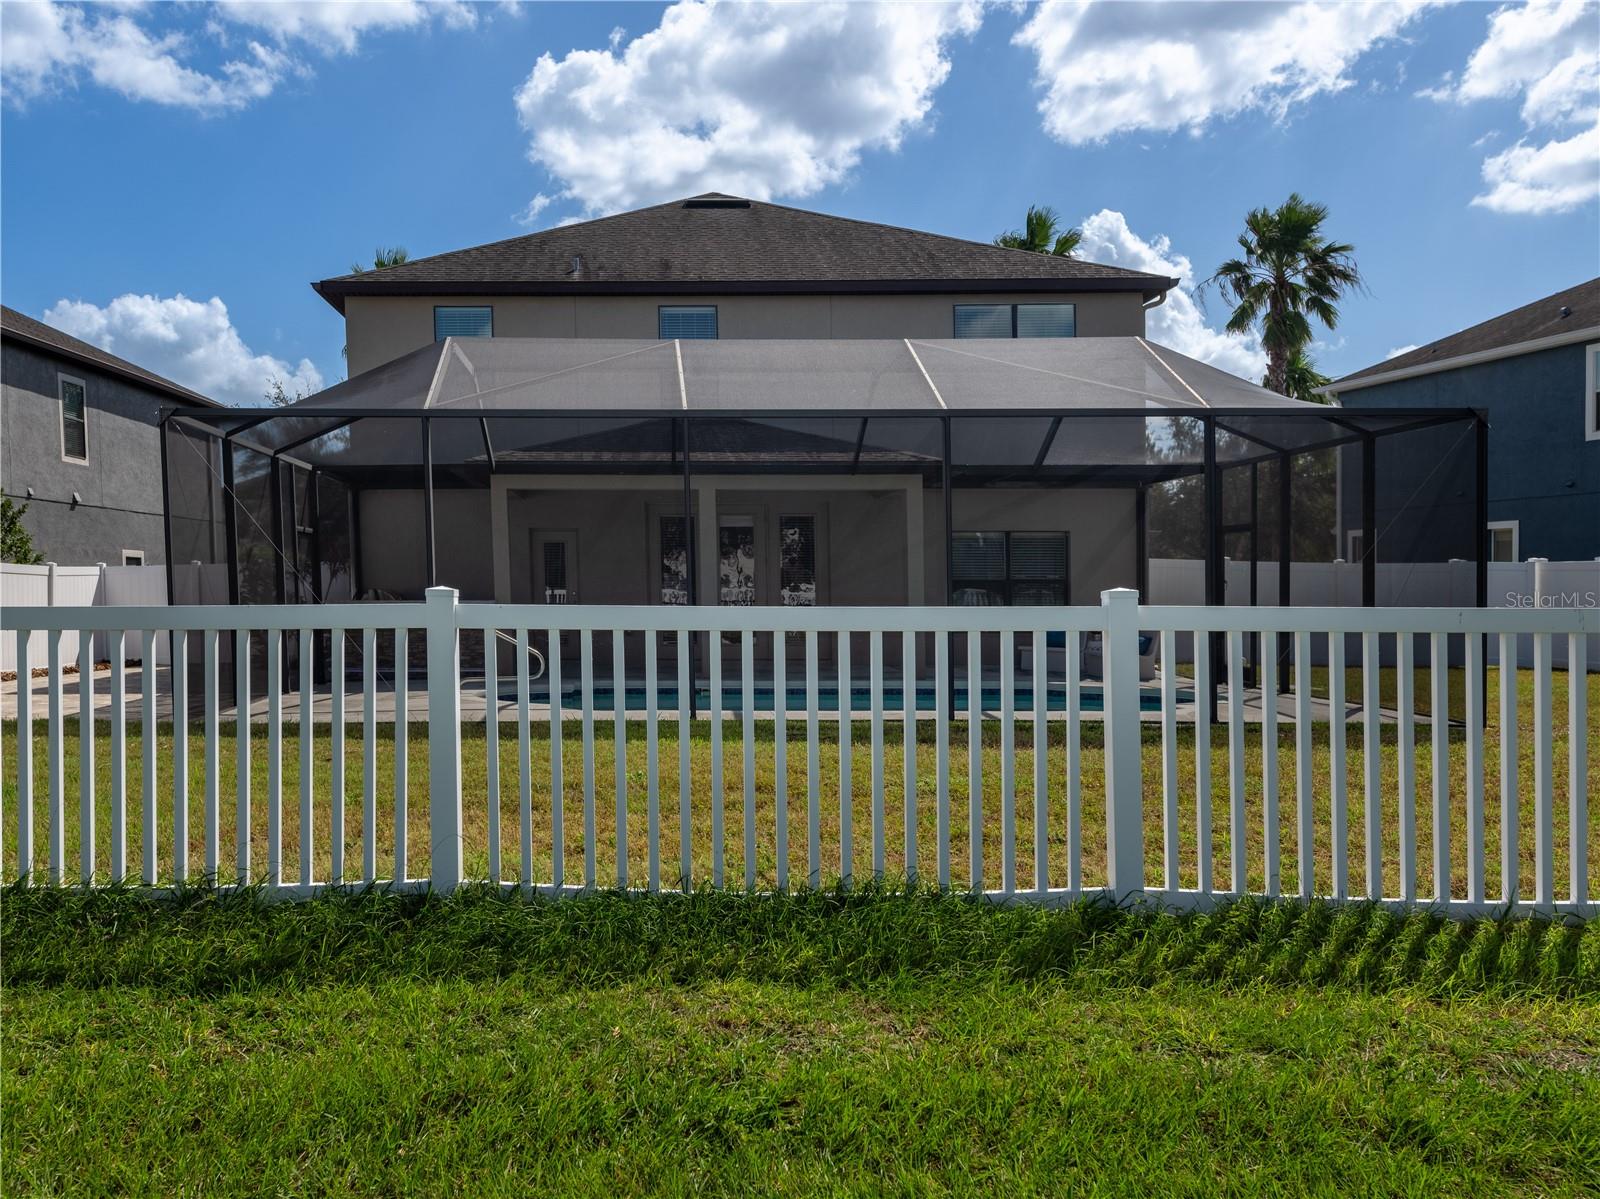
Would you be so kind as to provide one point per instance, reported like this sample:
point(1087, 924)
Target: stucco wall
point(119, 487)
point(379, 329)
point(1542, 472)
point(863, 535)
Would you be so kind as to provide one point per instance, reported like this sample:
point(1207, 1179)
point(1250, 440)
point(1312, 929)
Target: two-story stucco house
point(80, 445)
point(1534, 371)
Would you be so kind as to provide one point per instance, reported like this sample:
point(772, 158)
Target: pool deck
point(474, 703)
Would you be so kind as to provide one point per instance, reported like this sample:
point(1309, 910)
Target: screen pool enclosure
point(377, 486)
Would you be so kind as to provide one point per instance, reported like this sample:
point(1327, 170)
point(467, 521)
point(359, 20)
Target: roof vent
point(577, 266)
point(1565, 312)
point(716, 202)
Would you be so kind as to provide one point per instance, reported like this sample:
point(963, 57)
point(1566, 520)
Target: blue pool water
point(860, 698)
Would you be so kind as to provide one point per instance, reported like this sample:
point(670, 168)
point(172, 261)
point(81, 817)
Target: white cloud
point(758, 99)
point(1179, 322)
point(1546, 52)
point(1114, 68)
point(152, 54)
point(1397, 351)
point(191, 342)
point(538, 204)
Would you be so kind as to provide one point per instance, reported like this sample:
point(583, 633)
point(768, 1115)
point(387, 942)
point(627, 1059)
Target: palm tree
point(1042, 233)
point(1289, 274)
point(1302, 379)
point(381, 258)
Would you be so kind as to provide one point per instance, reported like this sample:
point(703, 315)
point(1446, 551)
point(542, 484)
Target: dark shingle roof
point(1567, 311)
point(14, 324)
point(716, 242)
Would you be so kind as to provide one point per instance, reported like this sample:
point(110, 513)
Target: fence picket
point(180, 756)
point(941, 735)
point(117, 645)
point(149, 734)
point(25, 757)
point(55, 823)
point(1543, 787)
point(685, 713)
point(1008, 762)
point(1372, 764)
point(908, 745)
point(558, 785)
point(1169, 759)
point(491, 750)
point(780, 756)
point(1577, 771)
point(1269, 763)
point(1238, 877)
point(308, 747)
point(1202, 762)
point(1305, 855)
point(241, 755)
point(402, 735)
point(813, 768)
point(714, 647)
point(747, 726)
point(1404, 699)
point(525, 760)
point(875, 652)
point(1041, 764)
point(846, 708)
point(1339, 816)
point(652, 767)
point(213, 798)
point(1474, 712)
point(1439, 746)
point(369, 761)
point(274, 758)
point(1510, 809)
point(1074, 766)
point(619, 746)
point(86, 757)
point(336, 770)
point(586, 698)
point(975, 759)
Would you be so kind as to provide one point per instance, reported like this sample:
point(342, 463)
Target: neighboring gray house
point(79, 444)
point(1534, 372)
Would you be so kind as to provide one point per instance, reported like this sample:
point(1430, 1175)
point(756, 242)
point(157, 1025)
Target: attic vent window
point(716, 202)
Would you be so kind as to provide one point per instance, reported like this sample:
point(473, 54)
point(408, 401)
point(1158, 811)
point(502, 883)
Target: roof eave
point(149, 384)
point(1357, 381)
point(334, 291)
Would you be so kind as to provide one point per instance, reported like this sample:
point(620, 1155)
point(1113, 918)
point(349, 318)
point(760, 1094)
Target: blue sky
point(236, 152)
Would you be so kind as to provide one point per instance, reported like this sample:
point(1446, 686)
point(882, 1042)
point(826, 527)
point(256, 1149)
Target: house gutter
point(1515, 350)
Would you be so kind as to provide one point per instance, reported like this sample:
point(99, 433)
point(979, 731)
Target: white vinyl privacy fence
point(980, 752)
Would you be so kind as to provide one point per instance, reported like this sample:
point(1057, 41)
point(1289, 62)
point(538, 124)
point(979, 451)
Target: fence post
point(444, 738)
point(1119, 656)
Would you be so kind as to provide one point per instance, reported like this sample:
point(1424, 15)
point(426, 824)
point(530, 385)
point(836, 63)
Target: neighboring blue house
point(1534, 372)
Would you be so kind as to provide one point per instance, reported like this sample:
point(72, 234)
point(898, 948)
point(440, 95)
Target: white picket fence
point(977, 669)
point(48, 585)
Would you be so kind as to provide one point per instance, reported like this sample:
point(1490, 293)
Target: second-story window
point(1016, 320)
point(688, 321)
point(74, 419)
point(461, 321)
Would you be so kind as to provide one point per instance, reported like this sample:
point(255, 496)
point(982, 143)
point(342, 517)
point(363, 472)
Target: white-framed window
point(1504, 539)
point(456, 320)
point(74, 418)
point(133, 557)
point(687, 322)
point(1591, 392)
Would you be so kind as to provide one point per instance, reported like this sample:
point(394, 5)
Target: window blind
point(983, 320)
point(688, 323)
point(979, 555)
point(462, 322)
point(1047, 320)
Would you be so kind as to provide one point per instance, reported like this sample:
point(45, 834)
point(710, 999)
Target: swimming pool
point(633, 698)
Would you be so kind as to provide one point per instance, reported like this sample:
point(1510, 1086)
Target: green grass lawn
point(476, 808)
point(724, 1045)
